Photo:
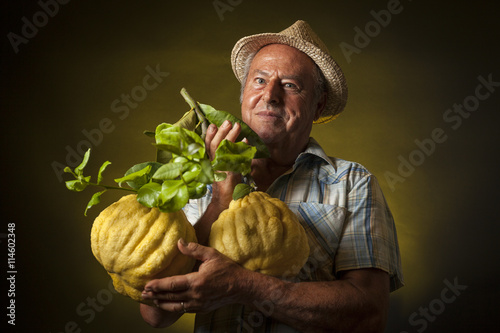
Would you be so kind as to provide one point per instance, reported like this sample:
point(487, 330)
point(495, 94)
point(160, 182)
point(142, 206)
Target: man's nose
point(272, 93)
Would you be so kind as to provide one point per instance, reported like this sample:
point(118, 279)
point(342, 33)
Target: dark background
point(63, 80)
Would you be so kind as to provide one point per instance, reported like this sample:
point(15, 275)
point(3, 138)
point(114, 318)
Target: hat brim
point(335, 80)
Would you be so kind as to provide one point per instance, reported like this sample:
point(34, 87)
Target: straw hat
point(302, 37)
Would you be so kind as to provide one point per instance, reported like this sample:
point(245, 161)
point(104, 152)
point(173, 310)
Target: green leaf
point(145, 178)
point(148, 194)
point(168, 138)
point(242, 190)
point(68, 170)
point(191, 175)
point(151, 134)
point(188, 121)
point(75, 185)
point(191, 166)
point(173, 197)
point(196, 190)
point(79, 169)
point(101, 170)
point(195, 145)
point(172, 149)
point(163, 156)
point(96, 198)
point(206, 175)
point(217, 117)
point(168, 171)
point(134, 176)
point(169, 189)
point(78, 185)
point(219, 176)
point(194, 148)
point(234, 157)
point(161, 127)
point(180, 159)
point(179, 141)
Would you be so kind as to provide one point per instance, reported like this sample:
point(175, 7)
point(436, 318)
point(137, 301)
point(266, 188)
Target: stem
point(194, 105)
point(107, 187)
point(248, 179)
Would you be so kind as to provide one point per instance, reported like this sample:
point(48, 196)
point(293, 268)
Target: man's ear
point(320, 106)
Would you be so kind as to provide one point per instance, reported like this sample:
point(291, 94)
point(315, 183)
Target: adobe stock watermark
point(363, 37)
point(48, 9)
point(453, 117)
point(222, 6)
point(121, 107)
point(87, 310)
point(428, 314)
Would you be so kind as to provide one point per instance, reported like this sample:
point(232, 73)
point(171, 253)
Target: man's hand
point(222, 191)
point(215, 284)
point(356, 302)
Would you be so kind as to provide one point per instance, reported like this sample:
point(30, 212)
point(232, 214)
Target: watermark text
point(427, 314)
point(453, 117)
point(121, 107)
point(30, 28)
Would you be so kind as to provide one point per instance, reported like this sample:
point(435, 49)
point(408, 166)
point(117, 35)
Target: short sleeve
point(369, 239)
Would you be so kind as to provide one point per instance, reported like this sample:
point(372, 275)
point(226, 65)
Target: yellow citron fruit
point(262, 234)
point(136, 244)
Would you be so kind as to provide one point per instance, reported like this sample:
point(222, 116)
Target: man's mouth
point(269, 114)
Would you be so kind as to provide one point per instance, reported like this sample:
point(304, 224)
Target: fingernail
point(211, 128)
point(183, 242)
point(226, 123)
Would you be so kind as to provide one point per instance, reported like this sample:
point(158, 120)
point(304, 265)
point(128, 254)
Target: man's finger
point(211, 131)
point(221, 134)
point(234, 132)
point(171, 306)
point(168, 284)
point(169, 296)
point(195, 250)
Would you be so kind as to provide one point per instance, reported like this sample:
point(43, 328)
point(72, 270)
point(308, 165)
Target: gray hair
point(318, 76)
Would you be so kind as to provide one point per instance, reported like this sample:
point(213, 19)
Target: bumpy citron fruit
point(262, 234)
point(136, 244)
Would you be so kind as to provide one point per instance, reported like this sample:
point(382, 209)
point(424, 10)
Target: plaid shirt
point(346, 218)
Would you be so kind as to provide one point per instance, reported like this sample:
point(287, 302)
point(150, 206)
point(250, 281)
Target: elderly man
point(289, 81)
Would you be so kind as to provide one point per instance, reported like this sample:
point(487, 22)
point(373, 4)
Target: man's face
point(278, 98)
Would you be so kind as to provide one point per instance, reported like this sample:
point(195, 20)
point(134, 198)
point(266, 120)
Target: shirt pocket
point(324, 225)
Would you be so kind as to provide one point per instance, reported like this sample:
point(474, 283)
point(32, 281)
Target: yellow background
point(427, 58)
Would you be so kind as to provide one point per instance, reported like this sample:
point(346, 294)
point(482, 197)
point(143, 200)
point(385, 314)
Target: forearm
point(204, 224)
point(337, 306)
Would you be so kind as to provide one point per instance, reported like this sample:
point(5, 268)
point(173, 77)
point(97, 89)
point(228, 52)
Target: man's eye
point(290, 86)
point(260, 80)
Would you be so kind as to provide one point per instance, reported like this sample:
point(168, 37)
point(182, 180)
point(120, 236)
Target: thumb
point(194, 250)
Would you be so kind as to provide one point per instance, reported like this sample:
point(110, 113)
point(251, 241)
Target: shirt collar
point(313, 148)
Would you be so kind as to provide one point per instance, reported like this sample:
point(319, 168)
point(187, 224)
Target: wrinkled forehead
point(288, 60)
